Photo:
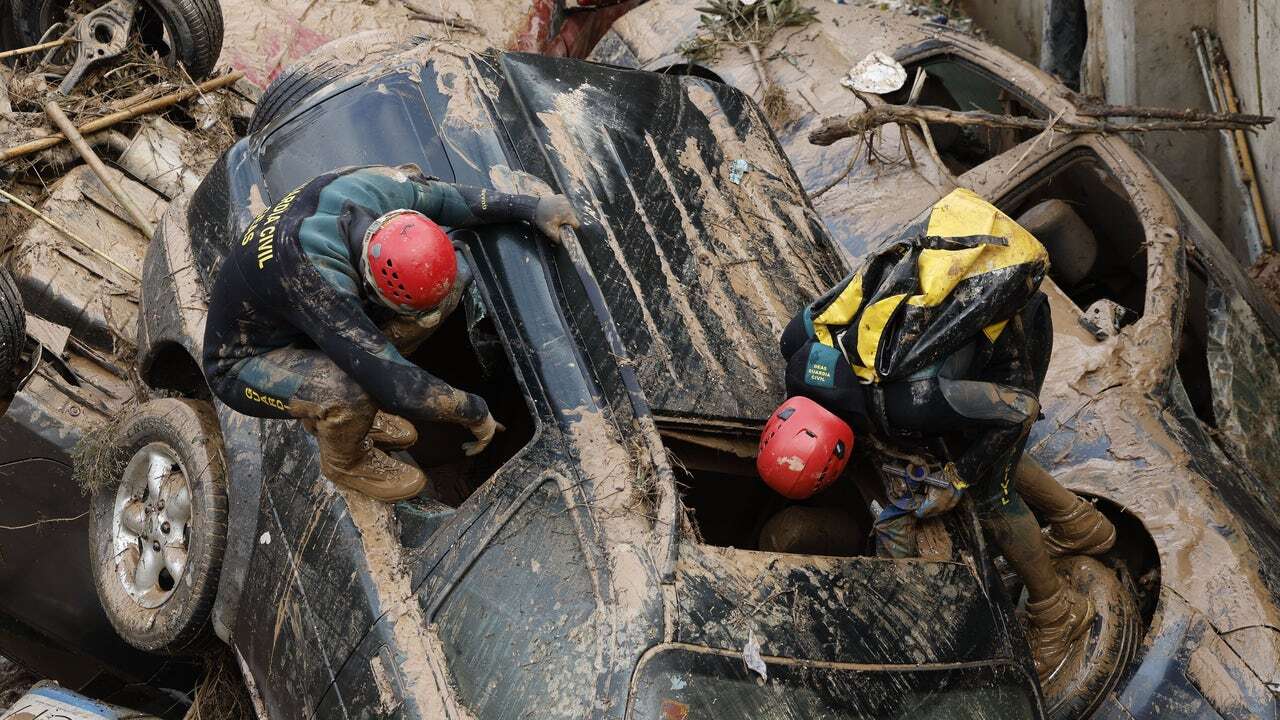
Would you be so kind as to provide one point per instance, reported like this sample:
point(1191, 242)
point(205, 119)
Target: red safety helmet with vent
point(408, 261)
point(803, 448)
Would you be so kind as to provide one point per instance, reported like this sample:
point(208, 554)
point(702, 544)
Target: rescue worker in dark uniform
point(321, 298)
point(936, 351)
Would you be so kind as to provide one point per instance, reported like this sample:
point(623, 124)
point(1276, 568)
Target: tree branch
point(837, 127)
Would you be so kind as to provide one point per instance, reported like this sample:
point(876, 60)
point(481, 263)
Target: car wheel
point(320, 67)
point(13, 333)
point(157, 537)
point(185, 31)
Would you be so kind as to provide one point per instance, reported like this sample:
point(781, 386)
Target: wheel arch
point(171, 366)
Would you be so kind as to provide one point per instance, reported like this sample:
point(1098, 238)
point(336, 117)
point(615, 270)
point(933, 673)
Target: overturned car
point(574, 570)
point(560, 574)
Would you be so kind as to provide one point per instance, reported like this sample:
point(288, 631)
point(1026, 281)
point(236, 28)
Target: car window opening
point(1095, 239)
point(481, 366)
point(730, 506)
point(959, 85)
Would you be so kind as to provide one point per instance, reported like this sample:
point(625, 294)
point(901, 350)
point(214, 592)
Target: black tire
point(329, 62)
point(13, 333)
point(173, 620)
point(194, 26)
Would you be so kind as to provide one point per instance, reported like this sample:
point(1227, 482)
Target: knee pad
point(990, 402)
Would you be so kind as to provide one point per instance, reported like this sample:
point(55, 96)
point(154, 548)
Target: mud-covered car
point(1160, 401)
point(573, 570)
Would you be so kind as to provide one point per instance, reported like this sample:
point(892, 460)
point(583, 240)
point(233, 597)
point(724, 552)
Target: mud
point(1109, 643)
point(426, 678)
point(262, 38)
point(808, 63)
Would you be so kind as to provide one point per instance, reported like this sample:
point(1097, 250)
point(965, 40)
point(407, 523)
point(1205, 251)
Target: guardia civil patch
point(820, 370)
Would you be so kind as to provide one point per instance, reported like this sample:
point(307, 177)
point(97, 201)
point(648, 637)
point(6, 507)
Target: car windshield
point(680, 684)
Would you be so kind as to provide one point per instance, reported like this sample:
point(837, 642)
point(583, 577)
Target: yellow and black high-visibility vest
point(964, 267)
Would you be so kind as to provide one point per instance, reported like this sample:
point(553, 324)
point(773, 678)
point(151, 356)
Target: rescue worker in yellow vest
point(935, 351)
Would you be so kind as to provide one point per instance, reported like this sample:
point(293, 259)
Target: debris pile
point(750, 25)
point(136, 112)
point(222, 693)
point(87, 172)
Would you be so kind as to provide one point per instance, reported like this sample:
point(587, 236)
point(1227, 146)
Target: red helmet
point(408, 261)
point(803, 448)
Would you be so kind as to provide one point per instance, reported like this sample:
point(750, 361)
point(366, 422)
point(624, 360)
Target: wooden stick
point(34, 48)
point(64, 124)
point(838, 127)
point(1244, 155)
point(75, 238)
point(115, 118)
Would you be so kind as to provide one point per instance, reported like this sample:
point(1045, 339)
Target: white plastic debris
point(265, 539)
point(737, 169)
point(748, 3)
point(751, 656)
point(876, 73)
point(677, 683)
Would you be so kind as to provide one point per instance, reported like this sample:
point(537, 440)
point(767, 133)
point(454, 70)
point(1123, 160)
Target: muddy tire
point(191, 30)
point(322, 66)
point(157, 536)
point(13, 334)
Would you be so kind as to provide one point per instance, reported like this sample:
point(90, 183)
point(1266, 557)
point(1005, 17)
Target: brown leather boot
point(1057, 623)
point(348, 458)
point(392, 432)
point(388, 431)
point(1058, 616)
point(1076, 527)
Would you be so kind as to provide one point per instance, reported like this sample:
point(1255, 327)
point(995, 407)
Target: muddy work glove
point(484, 432)
point(940, 494)
point(923, 494)
point(554, 211)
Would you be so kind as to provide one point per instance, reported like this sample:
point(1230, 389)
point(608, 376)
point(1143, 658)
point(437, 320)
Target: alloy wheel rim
point(151, 525)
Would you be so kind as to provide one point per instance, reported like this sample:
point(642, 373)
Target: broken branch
point(118, 117)
point(60, 119)
point(46, 521)
point(34, 48)
point(1108, 111)
point(838, 127)
point(70, 235)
